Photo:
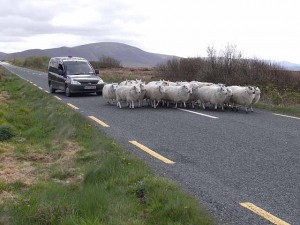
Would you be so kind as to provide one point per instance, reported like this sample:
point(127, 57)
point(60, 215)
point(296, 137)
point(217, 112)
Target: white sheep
point(213, 94)
point(109, 92)
point(256, 98)
point(178, 94)
point(130, 94)
point(228, 97)
point(242, 96)
point(155, 93)
point(143, 93)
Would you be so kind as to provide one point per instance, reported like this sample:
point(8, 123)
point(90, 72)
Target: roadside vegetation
point(58, 168)
point(280, 88)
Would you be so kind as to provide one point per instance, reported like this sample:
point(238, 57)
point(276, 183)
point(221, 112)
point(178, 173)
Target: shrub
point(106, 62)
point(6, 132)
point(231, 68)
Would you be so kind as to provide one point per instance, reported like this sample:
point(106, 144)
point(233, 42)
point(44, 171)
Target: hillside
point(128, 55)
point(2, 55)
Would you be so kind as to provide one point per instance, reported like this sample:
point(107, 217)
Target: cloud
point(79, 20)
point(262, 28)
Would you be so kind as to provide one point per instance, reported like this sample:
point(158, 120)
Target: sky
point(263, 29)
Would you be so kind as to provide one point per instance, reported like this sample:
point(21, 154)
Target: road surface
point(245, 168)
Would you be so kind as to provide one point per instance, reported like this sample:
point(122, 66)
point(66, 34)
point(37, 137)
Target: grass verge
point(58, 168)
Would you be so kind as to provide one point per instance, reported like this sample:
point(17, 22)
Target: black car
point(73, 75)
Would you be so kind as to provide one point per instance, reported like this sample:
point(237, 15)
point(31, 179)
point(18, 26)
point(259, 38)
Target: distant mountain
point(128, 55)
point(2, 55)
point(289, 65)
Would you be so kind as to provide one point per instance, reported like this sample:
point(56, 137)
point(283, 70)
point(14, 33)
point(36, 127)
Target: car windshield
point(78, 68)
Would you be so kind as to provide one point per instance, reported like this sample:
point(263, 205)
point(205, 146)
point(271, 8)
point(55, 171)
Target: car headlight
point(100, 81)
point(75, 82)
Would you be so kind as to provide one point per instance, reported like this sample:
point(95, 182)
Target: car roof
point(69, 58)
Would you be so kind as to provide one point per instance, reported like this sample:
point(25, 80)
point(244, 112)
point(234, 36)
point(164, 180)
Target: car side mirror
point(97, 71)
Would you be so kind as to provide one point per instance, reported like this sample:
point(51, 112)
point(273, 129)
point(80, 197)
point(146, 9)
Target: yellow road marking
point(57, 97)
point(151, 152)
point(34, 84)
point(263, 213)
point(40, 88)
point(287, 116)
point(72, 106)
point(47, 91)
point(98, 121)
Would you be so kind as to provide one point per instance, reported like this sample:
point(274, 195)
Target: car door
point(61, 77)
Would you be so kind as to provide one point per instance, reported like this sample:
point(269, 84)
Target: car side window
point(60, 67)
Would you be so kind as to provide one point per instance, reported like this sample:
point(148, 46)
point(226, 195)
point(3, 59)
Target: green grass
point(292, 110)
point(81, 175)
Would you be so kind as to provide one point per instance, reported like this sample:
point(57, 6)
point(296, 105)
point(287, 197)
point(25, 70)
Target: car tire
point(51, 89)
point(67, 91)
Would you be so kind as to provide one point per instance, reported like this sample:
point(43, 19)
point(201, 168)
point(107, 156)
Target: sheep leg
point(203, 106)
point(119, 104)
point(175, 105)
point(157, 103)
point(132, 104)
point(216, 106)
point(184, 105)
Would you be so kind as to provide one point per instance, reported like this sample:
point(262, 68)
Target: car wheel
point(51, 89)
point(67, 92)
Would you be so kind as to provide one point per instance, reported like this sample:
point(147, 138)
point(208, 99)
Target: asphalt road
point(224, 161)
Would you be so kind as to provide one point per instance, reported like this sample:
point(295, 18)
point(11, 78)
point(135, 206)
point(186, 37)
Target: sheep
point(256, 98)
point(130, 82)
point(143, 93)
point(128, 93)
point(213, 94)
point(178, 94)
point(242, 96)
point(109, 92)
point(155, 93)
point(194, 97)
point(228, 97)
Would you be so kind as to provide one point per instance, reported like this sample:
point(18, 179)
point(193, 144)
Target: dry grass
point(36, 166)
point(120, 74)
point(4, 96)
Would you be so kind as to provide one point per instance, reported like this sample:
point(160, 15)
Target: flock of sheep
point(190, 94)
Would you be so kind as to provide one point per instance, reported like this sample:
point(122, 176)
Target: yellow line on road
point(57, 97)
point(263, 213)
point(72, 106)
point(151, 152)
point(293, 117)
point(98, 121)
point(47, 91)
point(40, 88)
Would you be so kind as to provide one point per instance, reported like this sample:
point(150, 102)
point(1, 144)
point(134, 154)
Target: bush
point(6, 132)
point(106, 62)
